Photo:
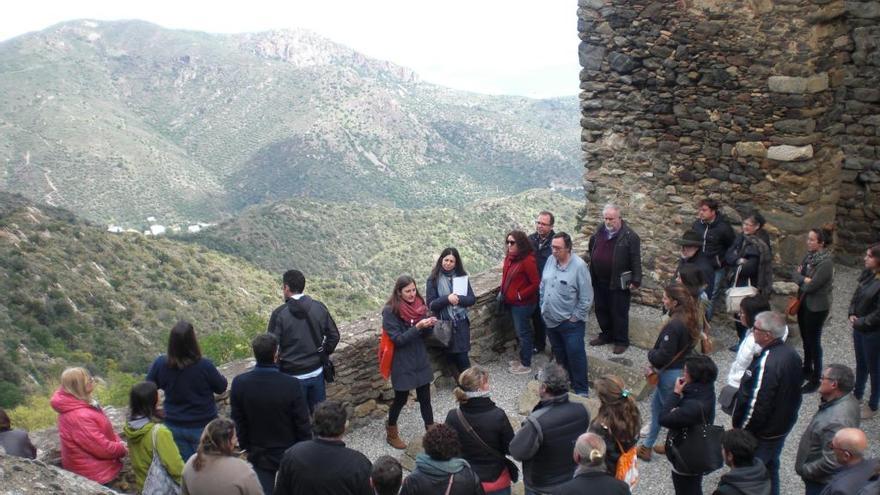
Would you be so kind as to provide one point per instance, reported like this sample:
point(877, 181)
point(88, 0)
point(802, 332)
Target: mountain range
point(124, 120)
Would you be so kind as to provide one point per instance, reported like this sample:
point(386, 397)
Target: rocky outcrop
point(19, 476)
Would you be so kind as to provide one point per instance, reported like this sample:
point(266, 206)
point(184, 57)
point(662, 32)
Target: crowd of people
point(284, 437)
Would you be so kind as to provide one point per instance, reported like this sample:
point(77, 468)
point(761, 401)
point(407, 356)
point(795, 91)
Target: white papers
point(460, 285)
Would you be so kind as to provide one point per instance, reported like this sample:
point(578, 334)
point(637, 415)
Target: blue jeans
point(768, 451)
point(314, 391)
point(567, 341)
point(522, 317)
point(661, 395)
point(503, 491)
point(266, 479)
point(187, 439)
point(716, 288)
point(867, 347)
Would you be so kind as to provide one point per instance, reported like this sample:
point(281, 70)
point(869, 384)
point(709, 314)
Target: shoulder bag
point(735, 294)
point(385, 354)
point(653, 377)
point(627, 464)
point(695, 449)
point(512, 469)
point(442, 332)
point(158, 481)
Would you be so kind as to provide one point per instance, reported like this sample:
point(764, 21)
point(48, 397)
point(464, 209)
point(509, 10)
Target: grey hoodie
point(746, 480)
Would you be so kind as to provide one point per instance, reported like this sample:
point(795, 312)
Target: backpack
point(385, 354)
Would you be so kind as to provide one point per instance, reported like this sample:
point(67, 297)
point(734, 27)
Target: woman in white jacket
point(749, 308)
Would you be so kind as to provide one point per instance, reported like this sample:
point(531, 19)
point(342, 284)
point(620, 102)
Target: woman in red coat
point(519, 283)
point(89, 446)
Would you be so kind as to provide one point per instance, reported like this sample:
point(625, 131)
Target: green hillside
point(366, 248)
point(119, 121)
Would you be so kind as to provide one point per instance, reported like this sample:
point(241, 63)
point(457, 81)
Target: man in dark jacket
point(325, 466)
point(616, 270)
point(850, 446)
point(691, 254)
point(547, 437)
point(747, 475)
point(769, 396)
point(591, 475)
point(306, 335)
point(717, 236)
point(815, 461)
point(541, 240)
point(269, 410)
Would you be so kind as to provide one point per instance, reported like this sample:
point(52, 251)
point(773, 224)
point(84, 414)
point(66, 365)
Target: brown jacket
point(221, 475)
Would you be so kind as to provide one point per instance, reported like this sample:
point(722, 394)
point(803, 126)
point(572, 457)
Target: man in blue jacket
point(769, 395)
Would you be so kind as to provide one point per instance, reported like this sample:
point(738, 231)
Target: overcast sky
point(521, 47)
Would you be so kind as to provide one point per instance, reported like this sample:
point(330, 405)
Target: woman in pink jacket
point(89, 446)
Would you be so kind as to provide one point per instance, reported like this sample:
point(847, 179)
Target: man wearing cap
point(691, 254)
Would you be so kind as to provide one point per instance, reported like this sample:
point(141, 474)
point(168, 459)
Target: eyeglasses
point(511, 243)
point(823, 377)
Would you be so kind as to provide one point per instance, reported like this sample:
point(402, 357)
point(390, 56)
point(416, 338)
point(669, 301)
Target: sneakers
point(867, 412)
point(643, 453)
point(519, 369)
point(598, 341)
point(512, 363)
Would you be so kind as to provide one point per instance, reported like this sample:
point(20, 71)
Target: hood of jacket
point(299, 307)
point(753, 480)
point(134, 429)
point(64, 402)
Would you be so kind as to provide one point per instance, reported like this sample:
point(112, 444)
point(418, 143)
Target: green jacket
point(139, 434)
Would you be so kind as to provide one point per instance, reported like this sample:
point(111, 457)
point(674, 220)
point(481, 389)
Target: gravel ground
point(655, 475)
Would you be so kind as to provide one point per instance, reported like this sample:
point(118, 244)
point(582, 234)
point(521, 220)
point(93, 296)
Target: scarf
point(412, 313)
point(427, 465)
point(444, 288)
point(812, 260)
point(477, 393)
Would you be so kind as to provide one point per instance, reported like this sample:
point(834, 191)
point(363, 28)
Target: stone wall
point(732, 100)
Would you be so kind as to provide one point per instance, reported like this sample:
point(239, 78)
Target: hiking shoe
point(511, 364)
point(867, 412)
point(643, 453)
point(519, 369)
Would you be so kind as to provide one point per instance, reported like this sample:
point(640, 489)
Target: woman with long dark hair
point(214, 469)
point(814, 276)
point(449, 306)
point(751, 263)
point(520, 281)
point(675, 342)
point(864, 316)
point(618, 420)
point(405, 320)
point(481, 424)
point(190, 382)
point(144, 417)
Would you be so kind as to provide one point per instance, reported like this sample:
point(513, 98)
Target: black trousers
point(810, 324)
point(540, 338)
point(687, 485)
point(423, 395)
point(612, 312)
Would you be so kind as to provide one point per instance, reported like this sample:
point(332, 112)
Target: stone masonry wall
point(733, 100)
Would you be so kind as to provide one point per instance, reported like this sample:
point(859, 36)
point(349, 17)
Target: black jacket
point(593, 482)
point(627, 256)
point(673, 338)
point(757, 270)
point(323, 467)
point(695, 406)
point(295, 338)
point(464, 482)
point(270, 413)
point(849, 480)
point(865, 304)
point(491, 424)
point(747, 480)
point(410, 368)
point(717, 237)
point(546, 454)
point(700, 261)
point(769, 396)
point(612, 451)
point(461, 336)
point(542, 249)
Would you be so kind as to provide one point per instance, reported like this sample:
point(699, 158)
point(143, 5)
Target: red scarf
point(412, 313)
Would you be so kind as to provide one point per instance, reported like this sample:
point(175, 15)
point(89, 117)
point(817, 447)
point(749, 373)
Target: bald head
point(589, 450)
point(852, 440)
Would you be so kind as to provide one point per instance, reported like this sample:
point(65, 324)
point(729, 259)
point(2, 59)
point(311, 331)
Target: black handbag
point(441, 336)
point(695, 449)
point(727, 398)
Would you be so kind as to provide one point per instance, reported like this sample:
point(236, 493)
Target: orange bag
point(627, 466)
point(386, 354)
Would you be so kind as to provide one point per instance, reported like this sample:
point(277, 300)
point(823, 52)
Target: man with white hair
point(849, 446)
point(615, 269)
point(769, 395)
point(591, 475)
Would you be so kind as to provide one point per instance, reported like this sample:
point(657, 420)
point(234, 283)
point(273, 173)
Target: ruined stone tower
point(764, 104)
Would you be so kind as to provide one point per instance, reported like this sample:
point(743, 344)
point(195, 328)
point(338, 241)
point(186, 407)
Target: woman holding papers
point(449, 294)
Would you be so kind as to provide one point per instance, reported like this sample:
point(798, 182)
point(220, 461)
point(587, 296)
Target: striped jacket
point(770, 392)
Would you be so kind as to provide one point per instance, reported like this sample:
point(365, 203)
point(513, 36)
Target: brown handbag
point(653, 378)
point(794, 305)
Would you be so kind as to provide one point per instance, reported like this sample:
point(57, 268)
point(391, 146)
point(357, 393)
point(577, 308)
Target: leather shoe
point(643, 453)
point(620, 349)
point(598, 341)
